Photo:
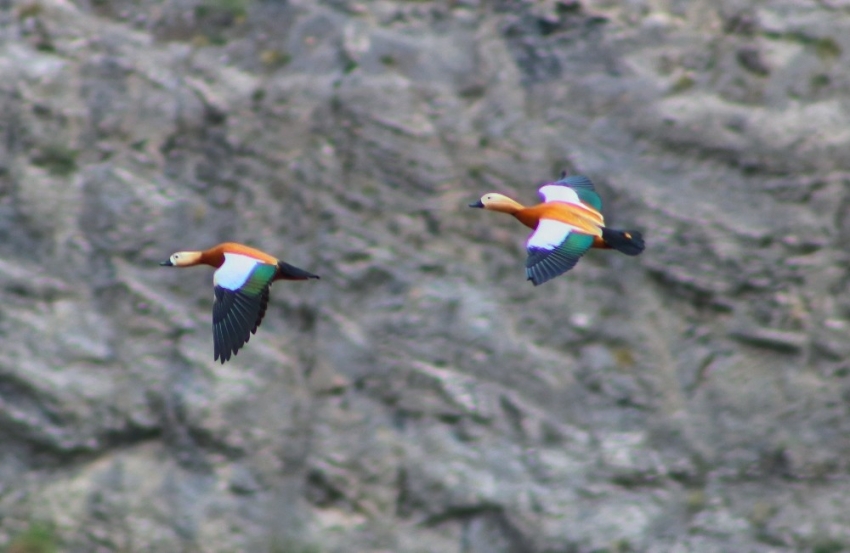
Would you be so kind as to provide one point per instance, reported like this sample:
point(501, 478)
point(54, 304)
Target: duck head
point(497, 202)
point(183, 259)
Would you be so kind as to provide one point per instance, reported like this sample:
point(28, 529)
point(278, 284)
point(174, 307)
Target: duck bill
point(477, 204)
point(166, 263)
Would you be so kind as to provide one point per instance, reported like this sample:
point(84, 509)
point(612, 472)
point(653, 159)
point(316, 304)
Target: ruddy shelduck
point(242, 281)
point(566, 224)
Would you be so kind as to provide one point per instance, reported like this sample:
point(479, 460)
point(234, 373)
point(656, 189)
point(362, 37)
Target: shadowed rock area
point(422, 397)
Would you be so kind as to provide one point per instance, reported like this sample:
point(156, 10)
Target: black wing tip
point(225, 356)
point(222, 351)
point(542, 266)
point(579, 181)
point(535, 282)
point(537, 276)
point(232, 349)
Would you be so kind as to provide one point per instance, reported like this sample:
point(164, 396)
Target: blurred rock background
point(422, 397)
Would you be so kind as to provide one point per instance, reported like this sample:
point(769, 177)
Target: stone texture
point(422, 396)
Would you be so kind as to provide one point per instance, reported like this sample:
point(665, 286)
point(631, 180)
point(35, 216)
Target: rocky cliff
point(422, 397)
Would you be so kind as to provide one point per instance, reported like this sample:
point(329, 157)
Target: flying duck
point(566, 224)
point(242, 280)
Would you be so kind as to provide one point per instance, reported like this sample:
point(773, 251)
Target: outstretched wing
point(576, 189)
point(241, 298)
point(553, 249)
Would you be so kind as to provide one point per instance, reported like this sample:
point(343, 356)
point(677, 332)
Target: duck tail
point(285, 271)
point(629, 242)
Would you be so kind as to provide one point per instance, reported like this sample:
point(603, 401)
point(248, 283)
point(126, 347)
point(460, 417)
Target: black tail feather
point(285, 271)
point(629, 242)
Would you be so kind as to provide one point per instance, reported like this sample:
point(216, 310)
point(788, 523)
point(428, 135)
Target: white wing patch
point(550, 234)
point(557, 193)
point(234, 271)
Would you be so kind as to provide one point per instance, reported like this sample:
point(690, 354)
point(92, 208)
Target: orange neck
point(527, 217)
point(214, 257)
point(505, 205)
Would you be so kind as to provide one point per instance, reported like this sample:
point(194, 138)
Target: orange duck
point(566, 224)
point(241, 281)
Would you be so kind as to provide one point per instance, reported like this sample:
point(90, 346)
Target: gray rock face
point(422, 396)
